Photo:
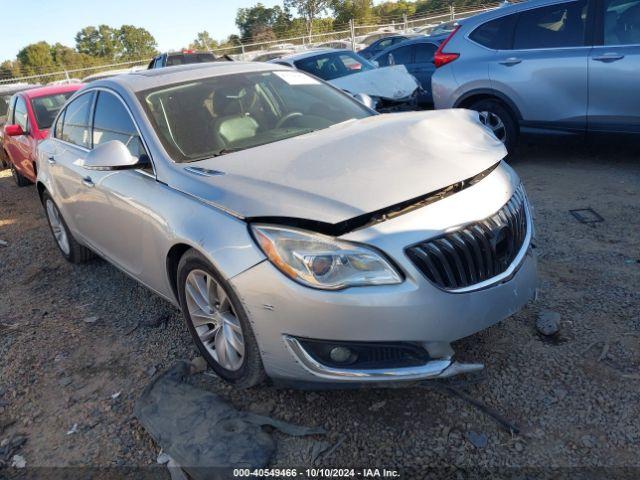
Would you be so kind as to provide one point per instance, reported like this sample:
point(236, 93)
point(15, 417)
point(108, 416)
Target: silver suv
point(551, 67)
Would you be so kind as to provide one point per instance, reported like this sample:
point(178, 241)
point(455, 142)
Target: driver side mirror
point(13, 131)
point(365, 99)
point(113, 155)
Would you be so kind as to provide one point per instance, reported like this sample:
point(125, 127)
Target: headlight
point(320, 261)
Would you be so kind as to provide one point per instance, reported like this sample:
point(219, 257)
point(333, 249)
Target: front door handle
point(51, 160)
point(510, 61)
point(88, 182)
point(609, 57)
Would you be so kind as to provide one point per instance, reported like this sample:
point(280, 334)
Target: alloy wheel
point(59, 231)
point(214, 320)
point(495, 123)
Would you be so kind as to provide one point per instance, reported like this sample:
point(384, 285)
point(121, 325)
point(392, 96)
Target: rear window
point(402, 55)
point(555, 26)
point(46, 108)
point(334, 65)
point(496, 34)
point(186, 58)
point(425, 52)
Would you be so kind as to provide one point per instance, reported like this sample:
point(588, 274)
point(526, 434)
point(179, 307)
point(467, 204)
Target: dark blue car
point(382, 44)
point(417, 55)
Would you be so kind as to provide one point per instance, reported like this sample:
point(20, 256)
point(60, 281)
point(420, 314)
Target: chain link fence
point(350, 35)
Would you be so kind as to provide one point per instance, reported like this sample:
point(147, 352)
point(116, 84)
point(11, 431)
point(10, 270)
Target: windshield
point(217, 115)
point(46, 108)
point(332, 65)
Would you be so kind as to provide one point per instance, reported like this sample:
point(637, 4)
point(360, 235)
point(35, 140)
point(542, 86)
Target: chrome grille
point(476, 252)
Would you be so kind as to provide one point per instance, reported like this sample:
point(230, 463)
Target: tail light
point(441, 58)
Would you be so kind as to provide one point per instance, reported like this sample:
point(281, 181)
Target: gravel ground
point(79, 343)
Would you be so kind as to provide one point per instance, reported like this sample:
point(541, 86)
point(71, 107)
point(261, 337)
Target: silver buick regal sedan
point(304, 237)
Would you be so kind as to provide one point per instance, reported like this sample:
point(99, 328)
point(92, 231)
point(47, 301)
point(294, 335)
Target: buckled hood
point(350, 169)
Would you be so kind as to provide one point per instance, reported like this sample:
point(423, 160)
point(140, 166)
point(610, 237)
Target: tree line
point(103, 44)
point(305, 17)
point(94, 46)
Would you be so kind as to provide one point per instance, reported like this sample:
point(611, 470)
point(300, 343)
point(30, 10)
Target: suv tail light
point(441, 58)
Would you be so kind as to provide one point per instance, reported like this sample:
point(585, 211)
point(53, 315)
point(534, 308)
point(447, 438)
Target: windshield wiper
point(224, 151)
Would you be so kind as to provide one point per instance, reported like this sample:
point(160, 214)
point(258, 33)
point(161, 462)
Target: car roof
point(146, 79)
point(514, 7)
point(51, 90)
point(395, 35)
point(312, 53)
point(409, 41)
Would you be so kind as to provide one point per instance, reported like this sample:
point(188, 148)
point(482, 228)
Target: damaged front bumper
point(285, 316)
point(438, 368)
point(388, 105)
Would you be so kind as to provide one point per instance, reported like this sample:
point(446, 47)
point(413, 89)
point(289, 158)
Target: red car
point(30, 115)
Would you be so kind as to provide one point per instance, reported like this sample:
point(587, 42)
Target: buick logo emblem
point(500, 242)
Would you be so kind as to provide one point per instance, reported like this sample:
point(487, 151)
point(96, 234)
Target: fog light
point(341, 355)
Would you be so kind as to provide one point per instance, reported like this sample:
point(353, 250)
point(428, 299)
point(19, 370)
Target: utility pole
point(452, 8)
point(405, 22)
point(352, 28)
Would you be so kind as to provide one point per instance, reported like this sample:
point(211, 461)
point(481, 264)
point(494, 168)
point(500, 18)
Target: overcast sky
point(173, 24)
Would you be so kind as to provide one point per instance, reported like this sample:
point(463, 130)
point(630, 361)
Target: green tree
point(423, 7)
point(361, 11)
point(135, 42)
point(102, 41)
point(35, 58)
point(67, 58)
point(261, 21)
point(10, 69)
point(203, 41)
point(308, 10)
point(395, 10)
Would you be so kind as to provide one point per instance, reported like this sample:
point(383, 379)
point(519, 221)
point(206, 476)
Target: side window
point(57, 129)
point(622, 22)
point(387, 42)
point(20, 115)
point(425, 52)
point(112, 121)
point(496, 34)
point(76, 126)
point(555, 26)
point(401, 56)
point(383, 60)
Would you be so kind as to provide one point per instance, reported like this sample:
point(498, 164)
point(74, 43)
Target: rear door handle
point(510, 61)
point(51, 160)
point(609, 57)
point(88, 182)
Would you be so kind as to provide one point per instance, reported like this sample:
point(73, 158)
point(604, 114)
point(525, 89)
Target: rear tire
point(17, 177)
point(218, 322)
point(71, 250)
point(500, 120)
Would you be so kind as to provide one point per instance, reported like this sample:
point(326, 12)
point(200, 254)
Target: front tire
point(499, 119)
point(218, 322)
point(17, 177)
point(71, 250)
